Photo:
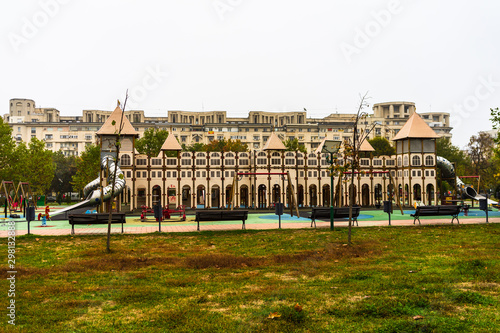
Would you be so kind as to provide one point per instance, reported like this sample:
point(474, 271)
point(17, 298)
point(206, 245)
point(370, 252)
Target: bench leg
point(455, 217)
point(198, 225)
point(356, 220)
point(243, 226)
point(122, 227)
point(415, 219)
point(72, 229)
point(313, 221)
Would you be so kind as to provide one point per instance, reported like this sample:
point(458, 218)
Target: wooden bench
point(100, 218)
point(221, 215)
point(451, 210)
point(338, 213)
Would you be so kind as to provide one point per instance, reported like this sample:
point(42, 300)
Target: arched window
point(261, 158)
point(415, 160)
point(300, 159)
point(399, 161)
point(125, 160)
point(215, 159)
point(276, 158)
point(405, 161)
point(243, 159)
point(429, 160)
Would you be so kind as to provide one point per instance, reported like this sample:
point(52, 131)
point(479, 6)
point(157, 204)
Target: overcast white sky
point(242, 55)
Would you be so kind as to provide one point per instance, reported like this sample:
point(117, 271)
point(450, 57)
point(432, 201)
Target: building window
point(125, 160)
point(415, 160)
point(429, 160)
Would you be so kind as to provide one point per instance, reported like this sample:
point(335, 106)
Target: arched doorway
point(313, 196)
point(289, 199)
point(261, 196)
point(172, 197)
point(228, 194)
point(141, 197)
point(430, 194)
point(417, 192)
point(326, 195)
point(365, 195)
point(378, 194)
point(244, 196)
point(401, 198)
point(215, 196)
point(300, 196)
point(352, 193)
point(276, 196)
point(200, 196)
point(186, 196)
point(156, 200)
point(390, 195)
point(407, 194)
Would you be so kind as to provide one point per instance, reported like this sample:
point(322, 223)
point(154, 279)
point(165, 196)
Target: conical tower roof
point(415, 128)
point(366, 146)
point(171, 144)
point(274, 143)
point(109, 129)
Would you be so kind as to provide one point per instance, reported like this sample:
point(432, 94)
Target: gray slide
point(449, 172)
point(92, 192)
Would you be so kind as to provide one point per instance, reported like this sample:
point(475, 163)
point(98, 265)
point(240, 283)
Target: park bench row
point(236, 215)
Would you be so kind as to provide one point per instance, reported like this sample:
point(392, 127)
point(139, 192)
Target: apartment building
point(71, 133)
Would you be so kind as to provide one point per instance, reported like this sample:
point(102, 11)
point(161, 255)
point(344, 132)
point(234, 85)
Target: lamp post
point(331, 147)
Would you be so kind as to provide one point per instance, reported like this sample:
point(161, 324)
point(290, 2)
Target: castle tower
point(107, 136)
point(416, 161)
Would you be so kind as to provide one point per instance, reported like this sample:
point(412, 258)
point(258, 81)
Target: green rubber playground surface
point(253, 218)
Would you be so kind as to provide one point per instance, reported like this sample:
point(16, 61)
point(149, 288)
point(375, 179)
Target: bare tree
point(361, 131)
point(113, 181)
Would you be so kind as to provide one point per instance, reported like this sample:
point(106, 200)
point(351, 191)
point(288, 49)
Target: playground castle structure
point(215, 179)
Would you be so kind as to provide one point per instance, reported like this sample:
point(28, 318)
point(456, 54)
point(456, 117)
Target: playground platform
point(256, 221)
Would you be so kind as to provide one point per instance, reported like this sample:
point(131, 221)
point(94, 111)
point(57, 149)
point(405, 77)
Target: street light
point(331, 147)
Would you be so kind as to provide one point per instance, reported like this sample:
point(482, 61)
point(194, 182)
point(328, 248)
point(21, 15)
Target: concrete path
point(256, 222)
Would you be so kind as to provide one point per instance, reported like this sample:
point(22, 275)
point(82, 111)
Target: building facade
point(259, 179)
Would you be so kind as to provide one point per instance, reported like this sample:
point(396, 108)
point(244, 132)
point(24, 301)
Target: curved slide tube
point(449, 173)
point(92, 192)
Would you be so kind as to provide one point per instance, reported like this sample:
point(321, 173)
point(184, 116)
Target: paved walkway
point(255, 222)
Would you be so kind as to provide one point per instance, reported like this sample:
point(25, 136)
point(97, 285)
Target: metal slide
point(91, 190)
point(449, 172)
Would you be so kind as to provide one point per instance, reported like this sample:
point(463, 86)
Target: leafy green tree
point(480, 150)
point(7, 148)
point(294, 145)
point(64, 170)
point(87, 166)
point(382, 146)
point(38, 168)
point(225, 146)
point(151, 142)
point(198, 146)
point(446, 149)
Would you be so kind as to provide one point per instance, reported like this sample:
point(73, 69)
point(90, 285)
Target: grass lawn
point(393, 279)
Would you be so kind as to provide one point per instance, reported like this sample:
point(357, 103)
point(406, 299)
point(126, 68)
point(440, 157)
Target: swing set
point(21, 193)
point(292, 201)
